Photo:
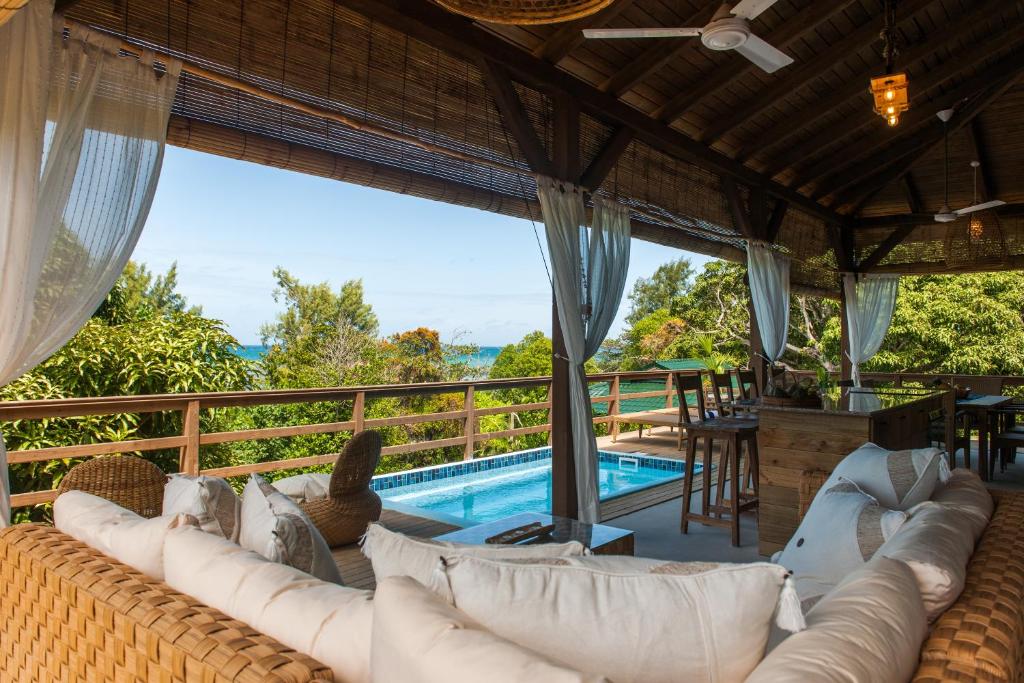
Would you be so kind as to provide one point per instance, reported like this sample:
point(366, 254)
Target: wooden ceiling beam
point(841, 241)
point(894, 239)
point(606, 159)
point(567, 138)
point(808, 71)
point(856, 86)
point(459, 36)
point(996, 80)
point(569, 36)
point(740, 217)
point(660, 53)
point(830, 166)
point(513, 114)
point(736, 66)
point(914, 202)
point(775, 221)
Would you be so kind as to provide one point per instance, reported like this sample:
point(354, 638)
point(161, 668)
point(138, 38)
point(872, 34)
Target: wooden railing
point(192, 438)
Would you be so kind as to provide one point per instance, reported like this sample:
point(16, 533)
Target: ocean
point(482, 359)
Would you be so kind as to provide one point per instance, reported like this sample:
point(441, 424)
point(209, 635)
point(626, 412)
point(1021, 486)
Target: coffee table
point(601, 539)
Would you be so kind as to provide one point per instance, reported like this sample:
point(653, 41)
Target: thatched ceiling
point(705, 147)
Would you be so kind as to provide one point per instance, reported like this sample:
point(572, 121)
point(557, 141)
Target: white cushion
point(305, 487)
point(274, 526)
point(116, 532)
point(328, 622)
point(419, 638)
point(843, 528)
point(633, 627)
point(966, 492)
point(898, 480)
point(211, 500)
point(395, 554)
point(870, 628)
point(936, 543)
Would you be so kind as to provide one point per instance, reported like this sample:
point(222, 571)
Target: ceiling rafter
point(459, 36)
point(855, 86)
point(830, 166)
point(775, 220)
point(736, 66)
point(606, 159)
point(569, 36)
point(924, 142)
point(884, 248)
point(514, 116)
point(976, 142)
point(808, 71)
point(660, 53)
point(741, 221)
point(914, 202)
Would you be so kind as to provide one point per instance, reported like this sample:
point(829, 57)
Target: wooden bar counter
point(792, 440)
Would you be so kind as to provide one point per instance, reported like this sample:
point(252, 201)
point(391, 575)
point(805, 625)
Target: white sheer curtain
point(768, 272)
point(589, 272)
point(82, 135)
point(870, 300)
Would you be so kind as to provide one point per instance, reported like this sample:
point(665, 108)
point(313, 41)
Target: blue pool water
point(488, 489)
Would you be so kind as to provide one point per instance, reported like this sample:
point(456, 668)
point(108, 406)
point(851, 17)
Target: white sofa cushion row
point(631, 627)
point(211, 500)
point(274, 526)
point(328, 622)
point(966, 493)
point(842, 530)
point(420, 638)
point(395, 554)
point(115, 531)
point(898, 480)
point(305, 487)
point(870, 628)
point(936, 543)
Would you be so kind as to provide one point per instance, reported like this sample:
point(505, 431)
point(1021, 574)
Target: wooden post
point(564, 498)
point(757, 362)
point(668, 390)
point(189, 456)
point(614, 406)
point(845, 365)
point(470, 430)
point(359, 411)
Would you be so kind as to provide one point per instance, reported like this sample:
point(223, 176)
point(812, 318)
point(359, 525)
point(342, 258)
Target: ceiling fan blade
point(762, 54)
point(749, 9)
point(979, 207)
point(640, 32)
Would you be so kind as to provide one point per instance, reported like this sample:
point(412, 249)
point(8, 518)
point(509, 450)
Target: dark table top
point(592, 536)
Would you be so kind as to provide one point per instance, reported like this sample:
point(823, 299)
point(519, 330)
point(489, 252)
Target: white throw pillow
point(898, 480)
point(633, 627)
point(328, 622)
point(305, 487)
point(420, 638)
point(936, 543)
point(842, 530)
point(211, 500)
point(395, 554)
point(274, 526)
point(870, 628)
point(966, 492)
point(116, 532)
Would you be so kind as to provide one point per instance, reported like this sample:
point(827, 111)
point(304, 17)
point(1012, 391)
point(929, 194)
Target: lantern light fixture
point(890, 93)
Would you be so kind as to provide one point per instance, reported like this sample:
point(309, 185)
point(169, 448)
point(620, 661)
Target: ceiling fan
point(727, 30)
point(945, 214)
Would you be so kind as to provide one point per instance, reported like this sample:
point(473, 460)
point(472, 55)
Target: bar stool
point(689, 385)
point(734, 434)
point(721, 383)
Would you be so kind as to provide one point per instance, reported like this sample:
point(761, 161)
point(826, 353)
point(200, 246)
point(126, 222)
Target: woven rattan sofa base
point(69, 613)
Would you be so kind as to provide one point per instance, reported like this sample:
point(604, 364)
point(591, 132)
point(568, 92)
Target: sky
point(476, 277)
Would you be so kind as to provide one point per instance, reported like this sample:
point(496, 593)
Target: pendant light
point(890, 89)
point(975, 228)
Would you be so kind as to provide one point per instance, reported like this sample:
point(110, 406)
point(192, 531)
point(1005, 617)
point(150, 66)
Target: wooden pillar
point(564, 498)
point(845, 366)
point(757, 362)
point(470, 430)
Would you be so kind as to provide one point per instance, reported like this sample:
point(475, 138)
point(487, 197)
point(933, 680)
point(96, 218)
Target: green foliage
point(140, 294)
point(714, 360)
point(658, 291)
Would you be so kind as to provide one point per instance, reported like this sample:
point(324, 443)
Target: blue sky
point(469, 274)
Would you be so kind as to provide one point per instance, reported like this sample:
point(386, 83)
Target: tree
point(658, 291)
point(138, 294)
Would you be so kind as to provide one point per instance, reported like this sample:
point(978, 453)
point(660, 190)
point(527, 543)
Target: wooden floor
point(356, 571)
point(658, 441)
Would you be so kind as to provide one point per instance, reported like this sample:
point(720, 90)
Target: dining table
point(980, 407)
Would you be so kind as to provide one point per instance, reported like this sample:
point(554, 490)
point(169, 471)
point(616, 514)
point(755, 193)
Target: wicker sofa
point(70, 613)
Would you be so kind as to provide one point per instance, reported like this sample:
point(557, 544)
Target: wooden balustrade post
point(614, 406)
point(359, 411)
point(188, 460)
point(551, 393)
point(470, 429)
point(668, 390)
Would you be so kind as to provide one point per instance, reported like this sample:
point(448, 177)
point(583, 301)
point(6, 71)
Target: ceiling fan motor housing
point(725, 34)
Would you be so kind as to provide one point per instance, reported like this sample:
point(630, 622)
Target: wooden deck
point(356, 570)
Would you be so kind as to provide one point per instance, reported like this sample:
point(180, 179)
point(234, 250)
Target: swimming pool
point(486, 489)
